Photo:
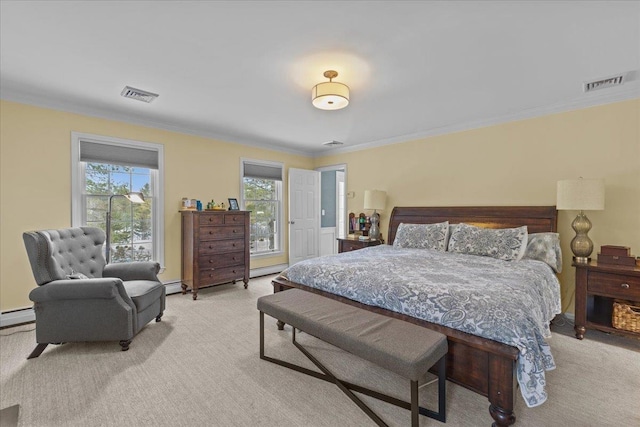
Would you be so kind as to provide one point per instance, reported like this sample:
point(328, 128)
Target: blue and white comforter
point(507, 301)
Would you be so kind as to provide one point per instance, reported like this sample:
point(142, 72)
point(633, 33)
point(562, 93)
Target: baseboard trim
point(17, 317)
point(265, 271)
point(27, 315)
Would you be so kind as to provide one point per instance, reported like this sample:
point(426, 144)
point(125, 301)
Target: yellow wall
point(516, 163)
point(35, 184)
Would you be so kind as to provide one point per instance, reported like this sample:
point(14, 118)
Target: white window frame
point(279, 193)
point(78, 196)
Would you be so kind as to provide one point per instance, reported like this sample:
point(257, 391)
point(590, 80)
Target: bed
point(483, 365)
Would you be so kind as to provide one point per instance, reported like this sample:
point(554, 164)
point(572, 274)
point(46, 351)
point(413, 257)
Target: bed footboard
point(484, 366)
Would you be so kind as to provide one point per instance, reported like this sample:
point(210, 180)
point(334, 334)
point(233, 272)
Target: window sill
point(267, 254)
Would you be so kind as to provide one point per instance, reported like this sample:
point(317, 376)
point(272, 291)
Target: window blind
point(252, 170)
point(118, 154)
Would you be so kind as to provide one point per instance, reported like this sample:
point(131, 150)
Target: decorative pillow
point(545, 247)
point(422, 236)
point(507, 244)
point(76, 276)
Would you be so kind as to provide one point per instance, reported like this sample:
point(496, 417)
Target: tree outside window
point(131, 224)
point(262, 198)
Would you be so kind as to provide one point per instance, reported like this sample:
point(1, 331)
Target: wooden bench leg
point(415, 411)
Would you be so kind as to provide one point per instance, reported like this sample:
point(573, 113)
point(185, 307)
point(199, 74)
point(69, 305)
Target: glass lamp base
point(374, 231)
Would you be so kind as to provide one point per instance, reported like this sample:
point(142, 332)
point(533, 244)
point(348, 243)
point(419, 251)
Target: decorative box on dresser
point(349, 244)
point(215, 248)
point(597, 286)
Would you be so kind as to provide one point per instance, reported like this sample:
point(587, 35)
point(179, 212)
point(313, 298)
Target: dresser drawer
point(232, 218)
point(614, 285)
point(222, 260)
point(221, 275)
point(215, 233)
point(211, 219)
point(222, 246)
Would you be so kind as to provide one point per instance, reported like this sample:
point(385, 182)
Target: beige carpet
point(200, 367)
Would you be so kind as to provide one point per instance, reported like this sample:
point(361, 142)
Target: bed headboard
point(538, 219)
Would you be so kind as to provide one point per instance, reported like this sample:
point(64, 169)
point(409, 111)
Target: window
point(261, 193)
point(105, 168)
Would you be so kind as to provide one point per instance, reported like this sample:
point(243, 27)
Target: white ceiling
point(243, 71)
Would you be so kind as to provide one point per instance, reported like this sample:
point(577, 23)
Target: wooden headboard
point(538, 219)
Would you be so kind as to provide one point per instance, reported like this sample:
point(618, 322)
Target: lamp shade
point(330, 96)
point(580, 195)
point(375, 199)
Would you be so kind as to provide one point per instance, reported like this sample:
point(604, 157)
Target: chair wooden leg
point(125, 344)
point(38, 350)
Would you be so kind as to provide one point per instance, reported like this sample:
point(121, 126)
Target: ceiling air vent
point(332, 143)
point(603, 83)
point(138, 94)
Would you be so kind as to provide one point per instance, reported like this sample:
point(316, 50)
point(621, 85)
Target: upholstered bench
point(401, 347)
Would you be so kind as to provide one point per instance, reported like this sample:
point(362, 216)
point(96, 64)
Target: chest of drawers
point(215, 248)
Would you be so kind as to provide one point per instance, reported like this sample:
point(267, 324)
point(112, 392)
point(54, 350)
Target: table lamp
point(374, 199)
point(133, 197)
point(581, 195)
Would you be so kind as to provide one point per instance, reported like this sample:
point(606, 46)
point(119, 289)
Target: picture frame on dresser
point(233, 205)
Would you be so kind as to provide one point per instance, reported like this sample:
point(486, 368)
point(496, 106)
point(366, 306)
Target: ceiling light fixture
point(330, 95)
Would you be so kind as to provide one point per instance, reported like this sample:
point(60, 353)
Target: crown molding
point(592, 101)
point(86, 110)
point(589, 100)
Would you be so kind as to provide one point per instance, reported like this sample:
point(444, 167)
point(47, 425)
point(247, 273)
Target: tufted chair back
point(60, 254)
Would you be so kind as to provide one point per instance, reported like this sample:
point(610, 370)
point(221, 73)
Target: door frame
point(340, 167)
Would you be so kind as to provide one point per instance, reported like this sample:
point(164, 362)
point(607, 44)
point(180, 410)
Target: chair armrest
point(139, 270)
point(78, 289)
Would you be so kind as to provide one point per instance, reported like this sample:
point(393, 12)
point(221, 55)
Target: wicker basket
point(626, 316)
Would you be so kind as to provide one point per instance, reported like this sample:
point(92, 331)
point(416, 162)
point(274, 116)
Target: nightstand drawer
point(351, 246)
point(615, 285)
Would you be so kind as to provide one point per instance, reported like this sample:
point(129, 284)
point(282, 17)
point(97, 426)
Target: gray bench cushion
point(401, 347)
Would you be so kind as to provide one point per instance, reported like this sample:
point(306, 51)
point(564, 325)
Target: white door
point(304, 214)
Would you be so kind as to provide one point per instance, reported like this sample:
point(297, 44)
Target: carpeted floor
point(200, 367)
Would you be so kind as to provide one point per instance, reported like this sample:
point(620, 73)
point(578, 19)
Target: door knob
point(292, 222)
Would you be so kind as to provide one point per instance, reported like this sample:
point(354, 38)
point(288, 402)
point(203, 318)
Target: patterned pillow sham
point(422, 236)
point(545, 247)
point(507, 244)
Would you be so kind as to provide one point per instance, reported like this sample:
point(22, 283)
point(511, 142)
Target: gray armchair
point(81, 298)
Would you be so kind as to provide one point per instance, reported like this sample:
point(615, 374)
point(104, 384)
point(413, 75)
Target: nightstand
point(350, 244)
point(597, 285)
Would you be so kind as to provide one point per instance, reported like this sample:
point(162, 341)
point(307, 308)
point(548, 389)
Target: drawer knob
point(210, 246)
point(624, 286)
point(210, 261)
point(235, 231)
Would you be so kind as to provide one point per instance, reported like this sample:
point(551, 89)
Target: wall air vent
point(603, 83)
point(333, 143)
point(138, 94)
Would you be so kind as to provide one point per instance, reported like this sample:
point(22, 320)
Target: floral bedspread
point(507, 301)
